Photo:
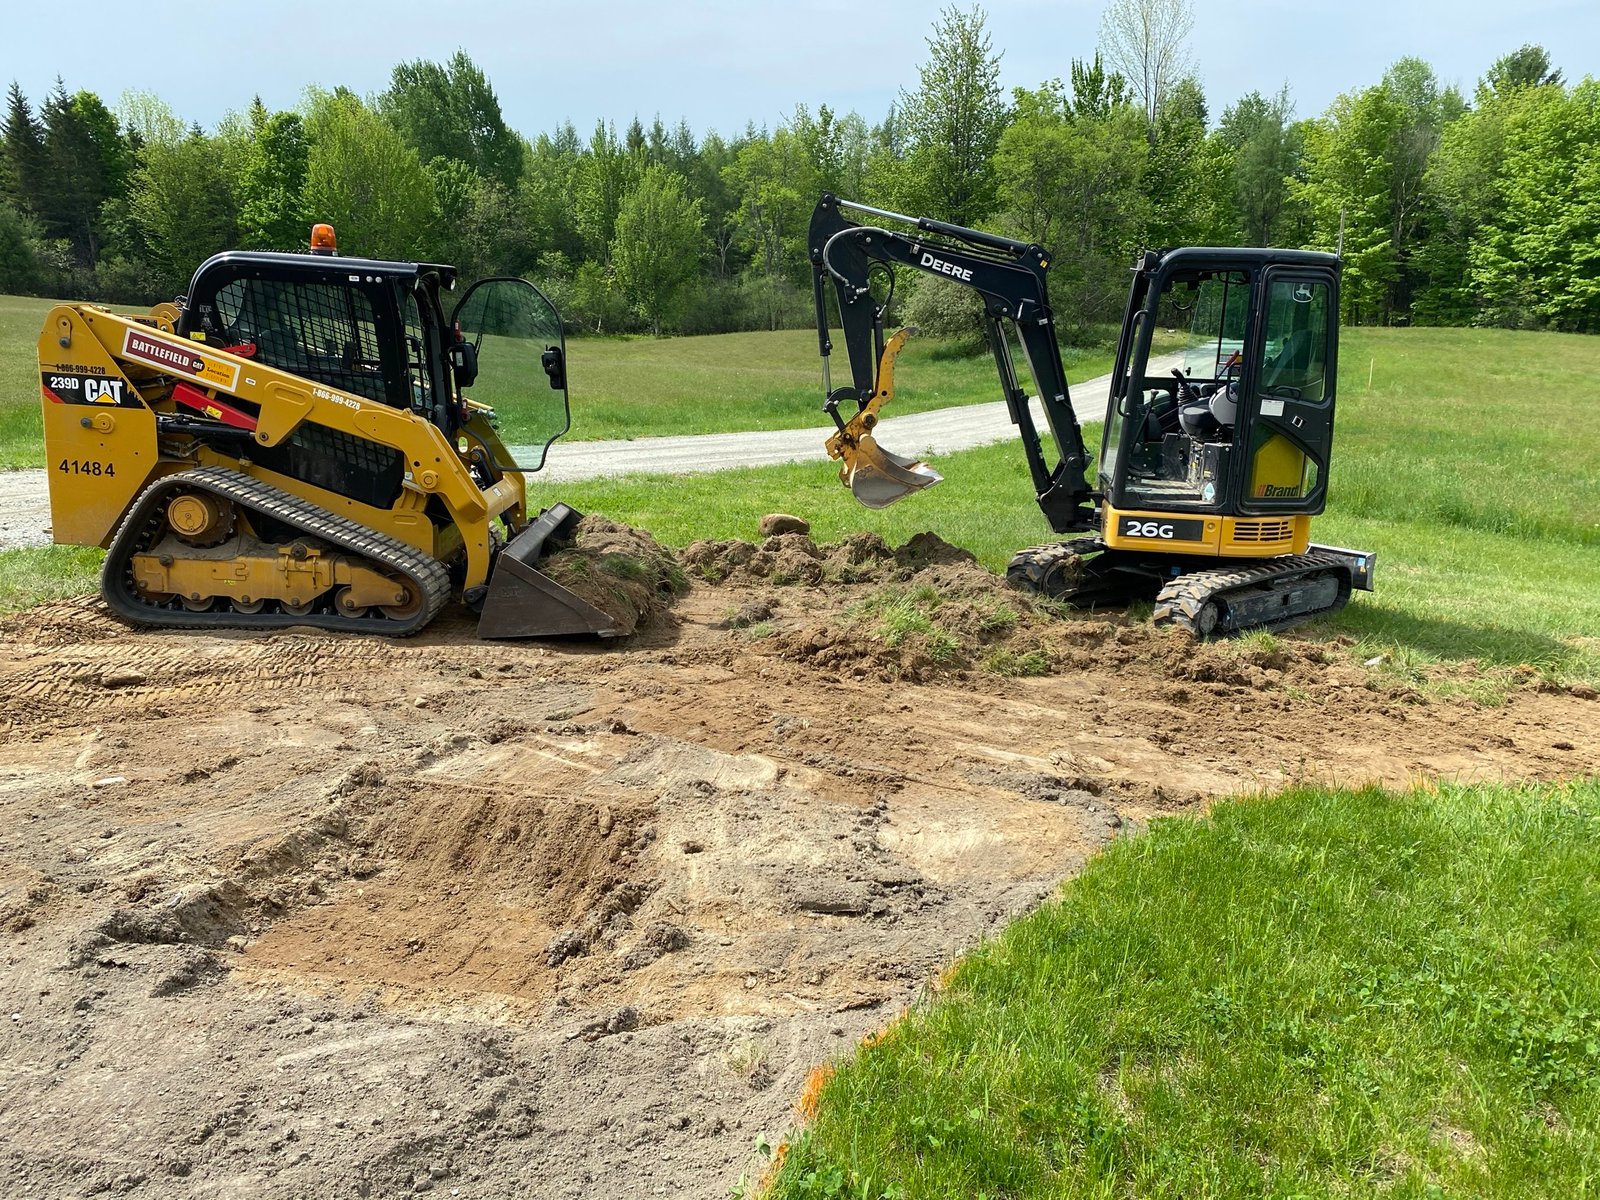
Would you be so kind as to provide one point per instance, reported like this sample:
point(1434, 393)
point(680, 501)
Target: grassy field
point(1320, 993)
point(620, 387)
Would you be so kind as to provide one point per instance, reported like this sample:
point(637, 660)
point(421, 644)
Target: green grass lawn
point(1320, 993)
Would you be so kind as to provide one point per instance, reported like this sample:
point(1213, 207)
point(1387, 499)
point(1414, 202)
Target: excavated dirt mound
point(926, 610)
point(310, 914)
point(789, 558)
point(622, 571)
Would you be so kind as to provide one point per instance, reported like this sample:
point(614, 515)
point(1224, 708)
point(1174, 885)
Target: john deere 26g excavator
point(1208, 474)
point(307, 439)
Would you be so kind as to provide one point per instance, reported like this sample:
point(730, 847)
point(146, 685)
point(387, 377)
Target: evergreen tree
point(23, 176)
point(85, 163)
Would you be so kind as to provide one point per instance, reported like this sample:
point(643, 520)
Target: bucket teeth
point(874, 476)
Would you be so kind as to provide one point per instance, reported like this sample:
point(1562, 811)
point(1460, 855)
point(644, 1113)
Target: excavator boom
point(1010, 276)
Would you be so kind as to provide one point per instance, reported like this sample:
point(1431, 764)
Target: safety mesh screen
point(321, 331)
point(339, 462)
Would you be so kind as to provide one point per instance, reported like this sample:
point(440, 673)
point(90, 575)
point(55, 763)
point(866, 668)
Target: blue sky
point(718, 63)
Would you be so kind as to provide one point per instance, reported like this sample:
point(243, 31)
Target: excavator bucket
point(525, 602)
point(874, 476)
point(878, 478)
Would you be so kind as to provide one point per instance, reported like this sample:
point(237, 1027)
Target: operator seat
point(1211, 418)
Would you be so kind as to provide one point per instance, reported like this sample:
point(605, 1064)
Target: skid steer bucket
point(525, 602)
point(878, 478)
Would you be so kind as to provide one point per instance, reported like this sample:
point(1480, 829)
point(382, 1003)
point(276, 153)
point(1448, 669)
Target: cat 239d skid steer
point(306, 439)
point(1208, 476)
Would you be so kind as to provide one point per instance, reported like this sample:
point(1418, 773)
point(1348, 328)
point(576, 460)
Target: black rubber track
point(1031, 571)
point(1184, 601)
point(145, 525)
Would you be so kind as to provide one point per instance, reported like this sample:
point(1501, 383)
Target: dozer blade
point(525, 602)
point(878, 478)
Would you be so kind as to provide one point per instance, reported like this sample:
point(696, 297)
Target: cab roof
point(269, 264)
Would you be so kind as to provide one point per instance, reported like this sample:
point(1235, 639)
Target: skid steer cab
point(309, 439)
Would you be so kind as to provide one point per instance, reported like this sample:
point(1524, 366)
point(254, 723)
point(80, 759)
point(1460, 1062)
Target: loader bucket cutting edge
point(525, 602)
point(878, 478)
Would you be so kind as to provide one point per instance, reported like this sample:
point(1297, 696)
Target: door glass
point(1181, 432)
point(1294, 358)
point(1295, 349)
point(521, 360)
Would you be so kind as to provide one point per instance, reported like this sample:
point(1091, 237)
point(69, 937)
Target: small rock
point(775, 523)
point(1375, 660)
point(122, 677)
point(678, 1121)
point(109, 781)
point(1562, 746)
point(623, 1020)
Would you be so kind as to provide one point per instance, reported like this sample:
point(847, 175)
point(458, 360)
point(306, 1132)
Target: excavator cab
point(1238, 417)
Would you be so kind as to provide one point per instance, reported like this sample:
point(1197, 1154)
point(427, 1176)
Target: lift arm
point(1009, 275)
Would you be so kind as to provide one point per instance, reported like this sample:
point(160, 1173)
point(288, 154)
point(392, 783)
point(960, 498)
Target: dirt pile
point(793, 558)
point(622, 571)
point(927, 610)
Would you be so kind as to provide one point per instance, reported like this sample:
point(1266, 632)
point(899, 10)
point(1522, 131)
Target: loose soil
point(316, 915)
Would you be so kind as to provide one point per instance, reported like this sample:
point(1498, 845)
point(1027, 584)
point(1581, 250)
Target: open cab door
point(510, 362)
point(512, 359)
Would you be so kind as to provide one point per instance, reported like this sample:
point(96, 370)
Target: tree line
point(1449, 209)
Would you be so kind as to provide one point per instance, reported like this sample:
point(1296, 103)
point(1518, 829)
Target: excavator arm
point(1010, 276)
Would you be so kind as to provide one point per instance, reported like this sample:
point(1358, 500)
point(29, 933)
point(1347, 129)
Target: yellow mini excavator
point(1209, 473)
point(307, 439)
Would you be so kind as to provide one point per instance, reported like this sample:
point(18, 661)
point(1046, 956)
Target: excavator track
point(1271, 596)
point(1066, 571)
point(146, 524)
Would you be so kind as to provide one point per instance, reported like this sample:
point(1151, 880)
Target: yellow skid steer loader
point(306, 439)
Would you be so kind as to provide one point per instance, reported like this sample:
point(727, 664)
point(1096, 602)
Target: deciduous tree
point(363, 178)
point(658, 245)
point(1147, 42)
point(951, 124)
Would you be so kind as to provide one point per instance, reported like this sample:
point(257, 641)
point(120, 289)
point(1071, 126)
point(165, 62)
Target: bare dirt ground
point(317, 915)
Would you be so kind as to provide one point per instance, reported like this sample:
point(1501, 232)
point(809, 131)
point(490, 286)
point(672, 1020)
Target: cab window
point(1294, 351)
